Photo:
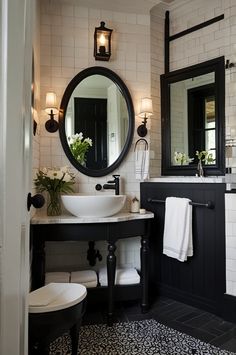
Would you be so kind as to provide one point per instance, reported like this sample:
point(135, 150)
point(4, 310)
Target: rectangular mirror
point(192, 106)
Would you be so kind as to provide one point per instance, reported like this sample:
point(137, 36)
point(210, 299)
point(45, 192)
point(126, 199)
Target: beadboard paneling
point(201, 279)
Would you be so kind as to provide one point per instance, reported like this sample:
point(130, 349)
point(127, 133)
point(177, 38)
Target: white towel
point(142, 164)
point(131, 281)
point(59, 277)
point(124, 276)
point(89, 284)
point(177, 240)
point(83, 276)
point(88, 278)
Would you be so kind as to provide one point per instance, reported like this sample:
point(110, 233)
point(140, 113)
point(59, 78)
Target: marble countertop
point(228, 179)
point(191, 179)
point(42, 218)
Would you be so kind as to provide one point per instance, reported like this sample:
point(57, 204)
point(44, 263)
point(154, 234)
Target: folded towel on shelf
point(177, 239)
point(141, 164)
point(124, 276)
point(126, 281)
point(88, 278)
point(88, 284)
point(57, 277)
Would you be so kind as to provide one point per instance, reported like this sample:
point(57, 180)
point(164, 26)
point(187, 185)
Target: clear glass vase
point(54, 203)
point(200, 169)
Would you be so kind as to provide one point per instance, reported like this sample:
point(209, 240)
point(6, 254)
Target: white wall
point(157, 16)
point(230, 231)
point(210, 42)
point(66, 49)
point(207, 43)
point(179, 127)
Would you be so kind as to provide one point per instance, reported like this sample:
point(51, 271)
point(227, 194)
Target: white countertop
point(191, 179)
point(42, 218)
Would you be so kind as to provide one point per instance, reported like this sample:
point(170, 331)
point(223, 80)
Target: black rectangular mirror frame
point(218, 67)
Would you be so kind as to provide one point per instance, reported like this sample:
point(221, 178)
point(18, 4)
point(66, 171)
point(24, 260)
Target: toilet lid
point(56, 296)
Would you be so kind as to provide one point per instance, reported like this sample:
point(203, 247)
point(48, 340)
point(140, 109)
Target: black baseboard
point(229, 308)
point(187, 298)
point(224, 308)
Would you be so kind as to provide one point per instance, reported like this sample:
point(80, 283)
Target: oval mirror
point(96, 121)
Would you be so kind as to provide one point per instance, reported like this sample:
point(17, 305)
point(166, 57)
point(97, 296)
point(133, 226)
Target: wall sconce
point(51, 108)
point(229, 64)
point(145, 112)
point(102, 42)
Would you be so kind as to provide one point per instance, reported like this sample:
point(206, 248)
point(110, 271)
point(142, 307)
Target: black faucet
point(113, 184)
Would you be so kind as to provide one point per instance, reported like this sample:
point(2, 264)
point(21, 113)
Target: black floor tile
point(200, 320)
point(184, 318)
point(219, 341)
point(216, 328)
point(230, 345)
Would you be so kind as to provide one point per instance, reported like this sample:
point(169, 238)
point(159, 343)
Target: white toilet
point(53, 310)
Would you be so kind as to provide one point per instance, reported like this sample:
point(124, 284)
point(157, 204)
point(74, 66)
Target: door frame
point(15, 172)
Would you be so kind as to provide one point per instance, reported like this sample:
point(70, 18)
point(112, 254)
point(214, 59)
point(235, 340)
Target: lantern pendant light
point(102, 42)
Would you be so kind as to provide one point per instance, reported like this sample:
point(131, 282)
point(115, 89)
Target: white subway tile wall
point(230, 231)
point(138, 57)
point(212, 41)
point(66, 49)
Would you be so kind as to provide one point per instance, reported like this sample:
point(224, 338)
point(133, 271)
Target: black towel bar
point(209, 204)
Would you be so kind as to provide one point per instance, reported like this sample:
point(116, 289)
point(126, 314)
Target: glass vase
point(54, 203)
point(200, 169)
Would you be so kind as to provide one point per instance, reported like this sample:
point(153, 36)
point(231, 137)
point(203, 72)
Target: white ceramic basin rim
point(93, 205)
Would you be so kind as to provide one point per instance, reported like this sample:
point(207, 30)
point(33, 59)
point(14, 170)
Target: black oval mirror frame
point(62, 113)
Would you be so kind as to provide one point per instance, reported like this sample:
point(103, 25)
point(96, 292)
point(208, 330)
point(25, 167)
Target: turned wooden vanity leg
point(111, 270)
point(144, 253)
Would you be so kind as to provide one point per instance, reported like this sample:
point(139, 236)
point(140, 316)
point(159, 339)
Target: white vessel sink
point(93, 205)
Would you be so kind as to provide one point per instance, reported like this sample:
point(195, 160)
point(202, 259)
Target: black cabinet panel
point(201, 279)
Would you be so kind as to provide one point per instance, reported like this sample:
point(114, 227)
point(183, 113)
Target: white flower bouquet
point(54, 181)
point(182, 158)
point(205, 156)
point(79, 146)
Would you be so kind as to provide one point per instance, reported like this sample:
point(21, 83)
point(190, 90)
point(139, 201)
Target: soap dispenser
point(134, 207)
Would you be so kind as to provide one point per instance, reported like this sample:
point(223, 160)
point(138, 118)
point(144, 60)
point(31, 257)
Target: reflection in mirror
point(98, 110)
point(193, 119)
point(192, 112)
point(96, 121)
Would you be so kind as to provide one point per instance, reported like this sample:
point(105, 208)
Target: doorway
point(91, 120)
point(201, 120)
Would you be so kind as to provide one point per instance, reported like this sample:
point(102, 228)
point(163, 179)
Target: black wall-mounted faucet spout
point(113, 184)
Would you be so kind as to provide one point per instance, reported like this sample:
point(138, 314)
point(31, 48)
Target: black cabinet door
point(200, 280)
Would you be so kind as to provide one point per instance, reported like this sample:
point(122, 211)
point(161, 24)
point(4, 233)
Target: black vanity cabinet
point(199, 281)
point(69, 228)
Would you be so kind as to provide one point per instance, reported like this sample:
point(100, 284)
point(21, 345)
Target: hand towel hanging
point(177, 239)
point(141, 160)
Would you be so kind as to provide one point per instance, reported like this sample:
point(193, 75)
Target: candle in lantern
point(102, 41)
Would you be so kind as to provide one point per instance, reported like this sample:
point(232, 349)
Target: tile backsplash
point(66, 48)
point(230, 231)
